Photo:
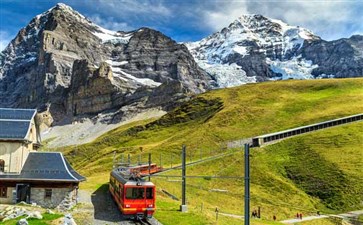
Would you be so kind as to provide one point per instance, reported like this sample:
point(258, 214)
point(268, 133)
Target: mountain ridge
point(255, 48)
point(143, 68)
point(63, 63)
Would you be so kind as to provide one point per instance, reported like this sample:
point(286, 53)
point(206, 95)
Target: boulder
point(22, 222)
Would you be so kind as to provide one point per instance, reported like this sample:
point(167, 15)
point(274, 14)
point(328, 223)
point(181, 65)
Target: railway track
point(143, 222)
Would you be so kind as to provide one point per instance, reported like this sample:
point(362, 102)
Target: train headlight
point(150, 206)
point(127, 206)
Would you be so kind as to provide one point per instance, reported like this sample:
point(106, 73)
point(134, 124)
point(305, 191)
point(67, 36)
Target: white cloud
point(110, 23)
point(329, 19)
point(223, 14)
point(5, 39)
point(130, 8)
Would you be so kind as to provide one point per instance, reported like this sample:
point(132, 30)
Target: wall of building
point(37, 195)
point(9, 197)
point(14, 154)
point(33, 135)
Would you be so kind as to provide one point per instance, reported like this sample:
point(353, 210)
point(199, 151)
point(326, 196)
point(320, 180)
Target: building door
point(2, 166)
point(23, 193)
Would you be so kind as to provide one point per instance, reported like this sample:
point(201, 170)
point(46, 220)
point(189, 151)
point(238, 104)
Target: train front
point(139, 199)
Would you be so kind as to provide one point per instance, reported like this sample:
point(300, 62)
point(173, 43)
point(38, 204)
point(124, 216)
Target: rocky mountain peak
point(63, 60)
point(256, 48)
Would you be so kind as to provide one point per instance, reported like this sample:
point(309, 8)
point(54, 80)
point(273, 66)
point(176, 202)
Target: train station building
point(26, 175)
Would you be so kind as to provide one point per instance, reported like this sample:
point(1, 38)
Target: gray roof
point(15, 123)
point(46, 166)
point(17, 114)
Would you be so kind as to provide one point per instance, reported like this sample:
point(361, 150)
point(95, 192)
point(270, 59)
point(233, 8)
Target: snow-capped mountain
point(254, 48)
point(63, 61)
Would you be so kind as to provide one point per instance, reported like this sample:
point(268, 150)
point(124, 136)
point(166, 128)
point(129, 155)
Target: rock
point(35, 214)
point(341, 58)
point(50, 211)
point(22, 222)
point(68, 220)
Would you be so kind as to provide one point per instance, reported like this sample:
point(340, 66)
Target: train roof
point(123, 175)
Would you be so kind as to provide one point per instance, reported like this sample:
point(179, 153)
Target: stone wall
point(9, 196)
point(59, 196)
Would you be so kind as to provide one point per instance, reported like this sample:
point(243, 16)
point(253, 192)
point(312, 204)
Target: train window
point(149, 193)
point(135, 193)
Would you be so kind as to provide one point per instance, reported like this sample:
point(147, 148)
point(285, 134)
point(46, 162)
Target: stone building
point(45, 178)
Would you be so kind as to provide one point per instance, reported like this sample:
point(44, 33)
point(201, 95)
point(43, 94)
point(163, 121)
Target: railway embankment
point(281, 135)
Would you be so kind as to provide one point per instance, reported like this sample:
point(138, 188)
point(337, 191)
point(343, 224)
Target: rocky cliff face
point(340, 58)
point(254, 48)
point(68, 64)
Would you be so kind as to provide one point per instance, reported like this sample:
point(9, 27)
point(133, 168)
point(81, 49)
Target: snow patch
point(227, 75)
point(115, 63)
point(112, 36)
point(295, 68)
point(241, 50)
point(118, 72)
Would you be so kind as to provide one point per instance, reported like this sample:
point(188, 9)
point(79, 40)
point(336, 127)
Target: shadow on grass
point(104, 206)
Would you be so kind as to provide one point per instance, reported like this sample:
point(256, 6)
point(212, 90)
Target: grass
point(47, 220)
point(271, 186)
point(304, 174)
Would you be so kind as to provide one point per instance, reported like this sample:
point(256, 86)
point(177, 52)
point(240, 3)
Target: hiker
point(297, 216)
point(318, 212)
point(301, 216)
point(274, 217)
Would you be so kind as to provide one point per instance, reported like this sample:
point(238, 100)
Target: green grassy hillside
point(213, 118)
point(317, 171)
point(304, 174)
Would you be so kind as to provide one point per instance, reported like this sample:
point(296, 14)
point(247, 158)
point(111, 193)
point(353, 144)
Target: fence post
point(161, 161)
point(171, 160)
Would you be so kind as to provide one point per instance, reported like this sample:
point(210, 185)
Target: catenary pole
point(183, 207)
point(247, 184)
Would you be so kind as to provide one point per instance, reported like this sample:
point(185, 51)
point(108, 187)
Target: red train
point(144, 169)
point(134, 195)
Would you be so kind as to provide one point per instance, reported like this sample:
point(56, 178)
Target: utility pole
point(183, 207)
point(149, 165)
point(247, 184)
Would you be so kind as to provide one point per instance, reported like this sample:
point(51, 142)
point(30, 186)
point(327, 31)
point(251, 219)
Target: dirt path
point(352, 214)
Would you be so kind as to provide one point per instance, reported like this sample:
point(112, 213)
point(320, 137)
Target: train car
point(144, 169)
point(134, 196)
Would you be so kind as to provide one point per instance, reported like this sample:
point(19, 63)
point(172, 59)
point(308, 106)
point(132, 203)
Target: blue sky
point(186, 20)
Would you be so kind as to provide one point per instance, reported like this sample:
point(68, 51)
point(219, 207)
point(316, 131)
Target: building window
point(48, 193)
point(3, 192)
point(2, 165)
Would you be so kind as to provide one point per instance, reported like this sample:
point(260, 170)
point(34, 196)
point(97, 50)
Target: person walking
point(300, 216)
point(274, 217)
